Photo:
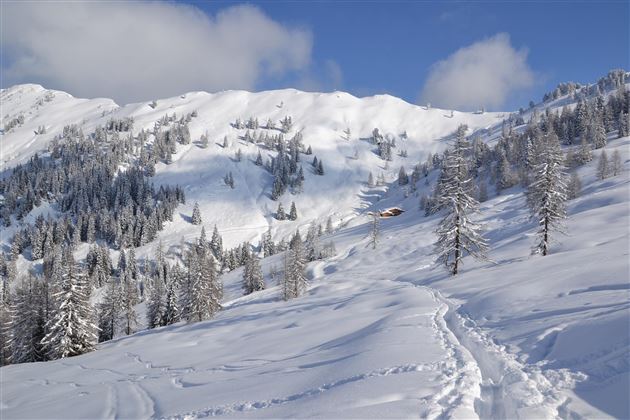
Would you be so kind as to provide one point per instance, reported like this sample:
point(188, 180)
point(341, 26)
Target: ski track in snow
point(508, 388)
point(460, 372)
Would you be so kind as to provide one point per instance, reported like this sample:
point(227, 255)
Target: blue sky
point(389, 47)
point(133, 51)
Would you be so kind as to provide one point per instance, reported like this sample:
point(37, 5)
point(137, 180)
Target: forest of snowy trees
point(82, 173)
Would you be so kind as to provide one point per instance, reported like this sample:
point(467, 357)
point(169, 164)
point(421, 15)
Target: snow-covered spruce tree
point(375, 228)
point(603, 166)
point(109, 311)
point(615, 163)
point(506, 178)
point(547, 192)
point(71, 328)
point(403, 178)
point(203, 141)
point(574, 187)
point(203, 291)
point(258, 161)
point(5, 325)
point(293, 212)
point(196, 215)
point(267, 245)
point(156, 306)
point(312, 247)
point(623, 124)
point(280, 214)
point(216, 243)
point(171, 309)
point(458, 235)
point(253, 279)
point(129, 299)
point(320, 167)
point(27, 323)
point(597, 132)
point(294, 282)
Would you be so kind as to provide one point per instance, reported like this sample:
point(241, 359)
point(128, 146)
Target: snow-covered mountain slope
point(384, 333)
point(40, 107)
point(380, 333)
point(245, 213)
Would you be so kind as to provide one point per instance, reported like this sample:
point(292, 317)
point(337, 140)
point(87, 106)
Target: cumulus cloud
point(485, 74)
point(134, 51)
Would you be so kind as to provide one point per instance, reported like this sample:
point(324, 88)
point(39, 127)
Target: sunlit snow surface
point(380, 333)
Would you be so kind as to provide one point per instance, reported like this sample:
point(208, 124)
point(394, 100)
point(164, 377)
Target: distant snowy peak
point(32, 116)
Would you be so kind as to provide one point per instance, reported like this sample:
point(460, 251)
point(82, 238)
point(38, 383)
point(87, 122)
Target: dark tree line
point(99, 201)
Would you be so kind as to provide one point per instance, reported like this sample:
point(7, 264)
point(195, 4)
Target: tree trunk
point(457, 246)
point(546, 236)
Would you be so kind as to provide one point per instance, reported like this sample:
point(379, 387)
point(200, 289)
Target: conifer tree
point(171, 309)
point(312, 247)
point(280, 214)
point(27, 323)
point(253, 279)
point(5, 324)
point(71, 328)
point(156, 306)
point(268, 247)
point(585, 155)
point(623, 124)
point(203, 290)
point(320, 167)
point(597, 132)
point(293, 212)
point(603, 166)
point(196, 215)
point(203, 141)
point(109, 311)
point(403, 178)
point(129, 299)
point(216, 243)
point(375, 229)
point(547, 192)
point(294, 282)
point(574, 187)
point(615, 163)
point(457, 233)
point(505, 176)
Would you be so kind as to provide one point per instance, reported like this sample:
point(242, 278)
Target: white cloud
point(135, 51)
point(482, 74)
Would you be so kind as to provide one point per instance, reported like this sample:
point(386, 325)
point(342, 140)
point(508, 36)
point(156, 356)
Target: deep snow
point(380, 333)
